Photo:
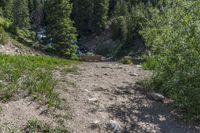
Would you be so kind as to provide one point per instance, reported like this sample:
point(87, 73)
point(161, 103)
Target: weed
point(31, 74)
point(127, 60)
point(1, 109)
point(35, 125)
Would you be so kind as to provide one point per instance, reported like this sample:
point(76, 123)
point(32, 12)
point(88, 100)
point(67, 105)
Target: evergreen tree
point(100, 14)
point(21, 18)
point(60, 28)
point(91, 15)
point(1, 12)
point(121, 8)
point(36, 11)
point(84, 13)
point(8, 12)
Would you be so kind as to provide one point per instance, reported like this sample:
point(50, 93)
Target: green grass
point(32, 74)
point(35, 126)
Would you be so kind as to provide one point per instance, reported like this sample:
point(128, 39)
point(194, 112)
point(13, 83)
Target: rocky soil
point(100, 98)
point(11, 49)
point(107, 99)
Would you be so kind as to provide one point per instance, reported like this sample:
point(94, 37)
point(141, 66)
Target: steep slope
point(15, 48)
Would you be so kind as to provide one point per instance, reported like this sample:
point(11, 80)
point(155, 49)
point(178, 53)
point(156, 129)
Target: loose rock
point(156, 96)
point(115, 126)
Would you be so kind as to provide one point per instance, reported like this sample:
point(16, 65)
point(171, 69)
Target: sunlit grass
point(32, 74)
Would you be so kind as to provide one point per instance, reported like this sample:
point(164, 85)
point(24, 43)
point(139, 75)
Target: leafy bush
point(4, 23)
point(172, 35)
point(119, 28)
point(3, 35)
point(126, 27)
point(25, 34)
point(127, 60)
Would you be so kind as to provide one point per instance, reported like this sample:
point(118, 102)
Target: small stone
point(106, 74)
point(115, 126)
point(134, 74)
point(93, 100)
point(95, 124)
point(156, 96)
point(139, 66)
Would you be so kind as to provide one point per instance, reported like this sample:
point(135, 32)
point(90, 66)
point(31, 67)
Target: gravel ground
point(100, 98)
point(106, 99)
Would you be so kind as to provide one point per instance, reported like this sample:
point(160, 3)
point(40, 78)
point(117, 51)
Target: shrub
point(25, 34)
point(126, 27)
point(172, 35)
point(3, 35)
point(119, 28)
point(127, 60)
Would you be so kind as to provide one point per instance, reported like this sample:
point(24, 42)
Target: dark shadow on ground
point(141, 115)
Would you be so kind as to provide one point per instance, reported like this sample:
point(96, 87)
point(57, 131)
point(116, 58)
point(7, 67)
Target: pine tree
point(1, 12)
point(121, 8)
point(100, 14)
point(8, 12)
point(36, 11)
point(91, 15)
point(21, 18)
point(83, 16)
point(60, 28)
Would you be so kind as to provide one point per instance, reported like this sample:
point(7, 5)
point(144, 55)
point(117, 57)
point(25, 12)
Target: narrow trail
point(106, 99)
point(99, 98)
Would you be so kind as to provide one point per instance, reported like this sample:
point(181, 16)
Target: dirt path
point(105, 99)
point(100, 98)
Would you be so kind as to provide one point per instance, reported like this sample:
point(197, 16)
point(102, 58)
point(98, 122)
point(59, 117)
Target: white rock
point(156, 97)
point(134, 74)
point(115, 126)
point(139, 66)
point(93, 100)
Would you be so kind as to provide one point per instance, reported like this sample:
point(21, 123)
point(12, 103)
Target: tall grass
point(29, 74)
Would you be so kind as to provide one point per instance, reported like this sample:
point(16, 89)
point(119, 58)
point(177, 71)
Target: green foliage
point(8, 10)
point(21, 18)
point(30, 74)
point(35, 125)
point(60, 29)
point(121, 8)
point(83, 16)
point(127, 60)
point(37, 13)
point(149, 64)
point(91, 15)
point(119, 28)
point(172, 35)
point(3, 34)
point(126, 25)
point(100, 12)
point(25, 34)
